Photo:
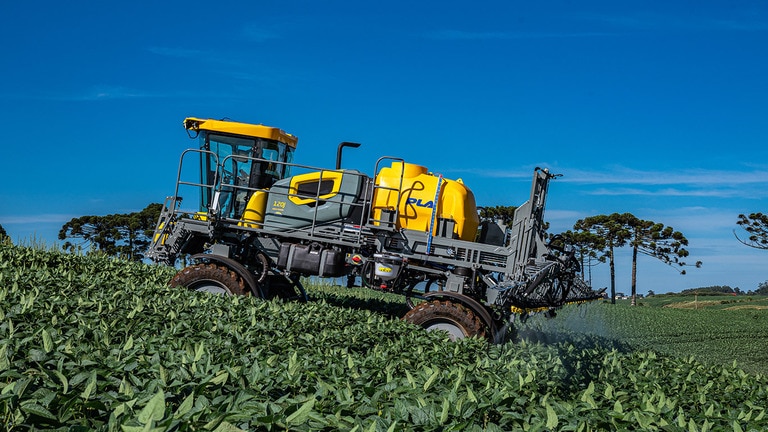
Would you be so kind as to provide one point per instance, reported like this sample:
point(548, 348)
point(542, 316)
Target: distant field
point(719, 302)
point(713, 329)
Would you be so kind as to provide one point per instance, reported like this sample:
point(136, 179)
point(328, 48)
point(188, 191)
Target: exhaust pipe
point(338, 151)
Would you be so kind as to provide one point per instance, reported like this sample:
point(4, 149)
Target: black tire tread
point(425, 313)
point(230, 280)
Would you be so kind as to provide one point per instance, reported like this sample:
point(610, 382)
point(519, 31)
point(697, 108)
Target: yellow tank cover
point(244, 129)
point(411, 190)
point(254, 210)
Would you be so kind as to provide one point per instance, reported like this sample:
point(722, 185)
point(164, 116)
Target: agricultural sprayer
point(254, 222)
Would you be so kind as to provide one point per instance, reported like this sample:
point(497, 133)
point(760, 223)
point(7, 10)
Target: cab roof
point(243, 129)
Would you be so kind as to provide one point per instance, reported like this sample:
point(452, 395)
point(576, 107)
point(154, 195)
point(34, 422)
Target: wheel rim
point(454, 330)
point(210, 286)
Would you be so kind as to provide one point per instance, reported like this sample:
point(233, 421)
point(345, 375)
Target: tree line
point(122, 235)
point(597, 238)
point(762, 289)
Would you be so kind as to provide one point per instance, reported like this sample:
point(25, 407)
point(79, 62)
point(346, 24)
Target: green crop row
point(89, 343)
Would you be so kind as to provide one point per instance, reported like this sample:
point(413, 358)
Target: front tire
point(210, 278)
point(454, 318)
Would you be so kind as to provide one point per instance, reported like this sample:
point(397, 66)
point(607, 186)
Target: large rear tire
point(211, 278)
point(452, 317)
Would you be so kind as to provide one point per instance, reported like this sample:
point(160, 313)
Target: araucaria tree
point(645, 237)
point(756, 225)
point(589, 249)
point(125, 235)
point(657, 241)
point(614, 234)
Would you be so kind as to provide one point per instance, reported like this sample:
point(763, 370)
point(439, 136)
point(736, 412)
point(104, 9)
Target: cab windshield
point(236, 166)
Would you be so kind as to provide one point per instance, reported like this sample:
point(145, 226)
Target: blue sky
point(655, 108)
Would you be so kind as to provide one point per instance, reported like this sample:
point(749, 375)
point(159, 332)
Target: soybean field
point(93, 343)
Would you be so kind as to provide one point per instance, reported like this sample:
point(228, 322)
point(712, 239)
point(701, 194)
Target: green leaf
point(618, 407)
point(608, 391)
point(302, 414)
point(64, 381)
point(431, 379)
point(38, 410)
point(551, 417)
point(227, 427)
point(643, 419)
point(185, 406)
point(471, 395)
point(350, 361)
point(459, 380)
point(90, 386)
point(220, 378)
point(587, 395)
point(444, 412)
point(4, 362)
point(737, 427)
point(692, 426)
point(128, 344)
point(410, 379)
point(146, 428)
point(199, 350)
point(119, 410)
point(47, 341)
point(155, 408)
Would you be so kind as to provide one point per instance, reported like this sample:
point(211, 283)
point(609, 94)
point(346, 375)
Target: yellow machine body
point(255, 210)
point(421, 198)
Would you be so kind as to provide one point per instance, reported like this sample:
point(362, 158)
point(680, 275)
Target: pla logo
point(420, 203)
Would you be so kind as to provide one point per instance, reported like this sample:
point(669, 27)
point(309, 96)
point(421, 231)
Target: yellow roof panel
point(244, 129)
